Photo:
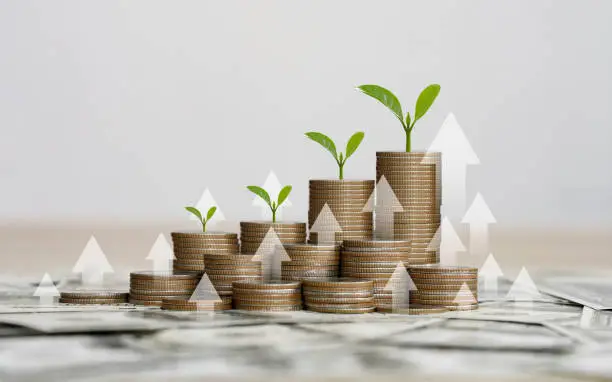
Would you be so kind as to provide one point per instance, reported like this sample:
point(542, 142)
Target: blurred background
point(116, 114)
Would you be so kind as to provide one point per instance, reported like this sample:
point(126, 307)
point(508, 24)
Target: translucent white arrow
point(479, 216)
point(161, 254)
point(271, 253)
point(400, 284)
point(273, 186)
point(448, 241)
point(92, 264)
point(523, 288)
point(46, 291)
point(457, 154)
point(204, 203)
point(326, 226)
point(205, 295)
point(490, 272)
point(384, 203)
point(465, 296)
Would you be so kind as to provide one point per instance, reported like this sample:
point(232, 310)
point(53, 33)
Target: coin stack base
point(190, 247)
point(93, 297)
point(339, 295)
point(279, 296)
point(310, 260)
point(450, 287)
point(149, 288)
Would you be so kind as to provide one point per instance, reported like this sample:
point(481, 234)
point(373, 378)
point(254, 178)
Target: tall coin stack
point(276, 296)
point(374, 260)
point(451, 287)
point(346, 200)
point(150, 288)
point(223, 270)
point(190, 247)
point(310, 260)
point(341, 295)
point(415, 178)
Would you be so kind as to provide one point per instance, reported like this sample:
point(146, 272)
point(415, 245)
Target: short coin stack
point(223, 270)
point(346, 199)
point(182, 304)
point(374, 260)
point(415, 178)
point(93, 297)
point(150, 288)
point(275, 296)
point(340, 295)
point(252, 234)
point(189, 248)
point(451, 287)
point(310, 260)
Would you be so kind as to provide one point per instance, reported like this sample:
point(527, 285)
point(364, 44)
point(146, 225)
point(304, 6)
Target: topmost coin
point(200, 234)
point(435, 268)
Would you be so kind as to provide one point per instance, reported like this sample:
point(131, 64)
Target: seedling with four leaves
point(282, 196)
point(351, 146)
point(202, 219)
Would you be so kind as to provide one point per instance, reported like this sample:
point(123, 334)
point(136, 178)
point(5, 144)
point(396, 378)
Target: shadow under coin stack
point(93, 297)
point(346, 200)
point(181, 304)
point(310, 260)
point(451, 287)
point(374, 260)
point(189, 248)
point(275, 296)
point(150, 288)
point(223, 270)
point(341, 295)
point(415, 178)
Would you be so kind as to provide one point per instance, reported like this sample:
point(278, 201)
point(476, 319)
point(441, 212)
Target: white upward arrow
point(457, 154)
point(206, 201)
point(479, 216)
point(92, 264)
point(400, 284)
point(271, 253)
point(523, 288)
point(273, 186)
point(490, 272)
point(465, 296)
point(46, 291)
point(205, 295)
point(326, 226)
point(385, 204)
point(161, 254)
point(448, 241)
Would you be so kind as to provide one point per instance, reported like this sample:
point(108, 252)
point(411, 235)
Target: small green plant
point(282, 196)
point(424, 102)
point(198, 214)
point(351, 146)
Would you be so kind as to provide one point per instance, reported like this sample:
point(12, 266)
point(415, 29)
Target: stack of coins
point(450, 287)
point(415, 178)
point(92, 297)
point(150, 288)
point(310, 260)
point(223, 270)
point(189, 248)
point(252, 234)
point(276, 296)
point(342, 295)
point(413, 309)
point(374, 260)
point(182, 304)
point(346, 199)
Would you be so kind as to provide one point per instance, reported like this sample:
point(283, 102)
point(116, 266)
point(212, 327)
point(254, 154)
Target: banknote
point(593, 291)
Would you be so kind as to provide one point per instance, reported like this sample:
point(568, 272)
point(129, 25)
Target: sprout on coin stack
point(415, 177)
point(339, 295)
point(277, 296)
point(310, 260)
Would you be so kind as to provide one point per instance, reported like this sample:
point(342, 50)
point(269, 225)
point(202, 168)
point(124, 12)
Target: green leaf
point(408, 119)
point(211, 212)
point(425, 100)
point(324, 141)
point(283, 194)
point(385, 97)
point(353, 143)
point(194, 211)
point(261, 193)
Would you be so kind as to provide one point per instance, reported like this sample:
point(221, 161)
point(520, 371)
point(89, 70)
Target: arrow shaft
point(479, 239)
point(490, 284)
point(162, 265)
point(92, 278)
point(384, 227)
point(46, 300)
point(400, 298)
point(454, 185)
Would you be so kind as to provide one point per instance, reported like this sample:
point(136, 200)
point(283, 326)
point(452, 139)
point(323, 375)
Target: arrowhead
point(478, 212)
point(92, 259)
point(383, 200)
point(46, 287)
point(161, 249)
point(325, 222)
point(452, 143)
point(270, 246)
point(206, 201)
point(205, 292)
point(446, 237)
point(490, 269)
point(523, 287)
point(465, 296)
point(273, 186)
point(400, 280)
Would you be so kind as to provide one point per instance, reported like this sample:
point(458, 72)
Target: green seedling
point(424, 102)
point(282, 196)
point(198, 214)
point(351, 146)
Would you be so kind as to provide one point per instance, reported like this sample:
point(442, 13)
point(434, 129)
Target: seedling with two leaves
point(202, 219)
point(351, 146)
point(282, 196)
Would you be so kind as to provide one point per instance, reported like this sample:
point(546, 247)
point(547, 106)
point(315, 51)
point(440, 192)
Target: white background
point(128, 110)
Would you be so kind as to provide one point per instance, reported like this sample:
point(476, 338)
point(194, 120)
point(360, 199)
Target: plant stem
point(273, 216)
point(204, 225)
point(341, 171)
point(408, 133)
